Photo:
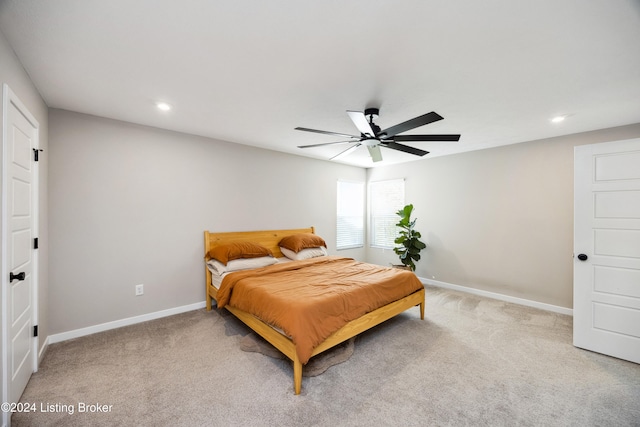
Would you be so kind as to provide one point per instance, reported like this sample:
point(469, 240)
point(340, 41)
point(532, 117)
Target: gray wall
point(498, 220)
point(130, 205)
point(12, 73)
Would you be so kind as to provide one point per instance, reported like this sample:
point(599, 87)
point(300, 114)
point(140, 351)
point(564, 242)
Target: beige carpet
point(472, 362)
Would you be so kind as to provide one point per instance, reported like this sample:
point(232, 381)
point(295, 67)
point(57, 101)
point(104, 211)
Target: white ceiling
point(250, 71)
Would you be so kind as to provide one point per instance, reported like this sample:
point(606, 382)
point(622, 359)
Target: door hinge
point(35, 243)
point(35, 154)
point(35, 330)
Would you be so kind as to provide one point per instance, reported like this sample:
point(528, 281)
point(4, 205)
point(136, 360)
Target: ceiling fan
point(372, 137)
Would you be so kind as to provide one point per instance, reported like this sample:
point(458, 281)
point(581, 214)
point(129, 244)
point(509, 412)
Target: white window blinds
point(385, 199)
point(350, 218)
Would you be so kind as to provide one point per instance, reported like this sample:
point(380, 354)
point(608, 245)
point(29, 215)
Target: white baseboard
point(123, 322)
point(501, 297)
point(43, 349)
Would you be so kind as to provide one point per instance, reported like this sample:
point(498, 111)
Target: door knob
point(19, 276)
point(582, 257)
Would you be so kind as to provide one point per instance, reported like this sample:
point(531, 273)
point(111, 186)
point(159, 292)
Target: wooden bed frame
point(270, 239)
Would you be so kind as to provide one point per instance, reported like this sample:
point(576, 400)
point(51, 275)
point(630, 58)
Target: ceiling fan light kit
point(372, 137)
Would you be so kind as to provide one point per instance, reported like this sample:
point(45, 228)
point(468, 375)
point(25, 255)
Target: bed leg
point(208, 276)
point(297, 374)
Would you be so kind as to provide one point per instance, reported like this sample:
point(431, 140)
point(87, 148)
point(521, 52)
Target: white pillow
point(304, 254)
point(241, 264)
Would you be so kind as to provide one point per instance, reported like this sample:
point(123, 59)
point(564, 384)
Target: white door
point(606, 300)
point(21, 137)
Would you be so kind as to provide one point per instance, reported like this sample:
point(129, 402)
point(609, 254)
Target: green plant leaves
point(408, 238)
point(405, 212)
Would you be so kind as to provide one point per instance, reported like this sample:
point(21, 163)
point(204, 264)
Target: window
point(350, 219)
point(385, 199)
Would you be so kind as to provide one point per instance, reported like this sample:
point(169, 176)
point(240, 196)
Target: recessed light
point(558, 119)
point(163, 106)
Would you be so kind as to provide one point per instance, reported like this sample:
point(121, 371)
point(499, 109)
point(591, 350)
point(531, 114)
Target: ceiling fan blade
point(327, 133)
point(374, 152)
point(360, 120)
point(405, 148)
point(407, 138)
point(425, 119)
point(325, 143)
point(345, 152)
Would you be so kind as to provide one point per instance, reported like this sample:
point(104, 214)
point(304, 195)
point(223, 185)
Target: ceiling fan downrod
point(371, 112)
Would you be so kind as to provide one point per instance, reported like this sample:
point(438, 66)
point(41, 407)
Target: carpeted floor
point(316, 365)
point(473, 361)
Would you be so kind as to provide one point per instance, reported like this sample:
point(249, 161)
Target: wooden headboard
point(267, 238)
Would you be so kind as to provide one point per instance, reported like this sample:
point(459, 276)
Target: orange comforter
point(311, 299)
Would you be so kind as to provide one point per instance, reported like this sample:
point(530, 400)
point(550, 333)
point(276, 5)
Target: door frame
point(8, 98)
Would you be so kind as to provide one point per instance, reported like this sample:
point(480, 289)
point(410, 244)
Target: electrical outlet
point(139, 290)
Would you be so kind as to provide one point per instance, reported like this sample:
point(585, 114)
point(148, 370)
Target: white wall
point(499, 220)
point(130, 205)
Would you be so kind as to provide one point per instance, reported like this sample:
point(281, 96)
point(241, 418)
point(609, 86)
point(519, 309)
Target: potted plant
point(409, 239)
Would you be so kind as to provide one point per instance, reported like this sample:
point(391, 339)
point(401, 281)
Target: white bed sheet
point(216, 279)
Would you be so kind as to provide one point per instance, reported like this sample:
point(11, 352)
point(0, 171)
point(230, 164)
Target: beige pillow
point(304, 254)
point(241, 264)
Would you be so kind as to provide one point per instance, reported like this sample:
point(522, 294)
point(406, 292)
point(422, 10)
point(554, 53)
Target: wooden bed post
point(207, 274)
point(297, 374)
